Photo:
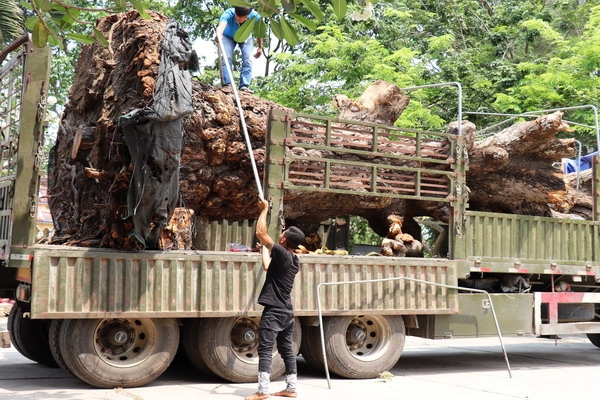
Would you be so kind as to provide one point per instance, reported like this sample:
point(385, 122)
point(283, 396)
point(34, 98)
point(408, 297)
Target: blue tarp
point(580, 164)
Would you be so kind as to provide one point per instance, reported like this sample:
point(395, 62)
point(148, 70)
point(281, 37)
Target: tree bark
point(91, 171)
point(512, 171)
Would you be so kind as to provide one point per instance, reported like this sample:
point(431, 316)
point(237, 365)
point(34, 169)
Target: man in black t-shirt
point(277, 320)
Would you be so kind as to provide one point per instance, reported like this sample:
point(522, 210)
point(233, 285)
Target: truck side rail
point(24, 77)
point(360, 158)
point(72, 282)
point(510, 243)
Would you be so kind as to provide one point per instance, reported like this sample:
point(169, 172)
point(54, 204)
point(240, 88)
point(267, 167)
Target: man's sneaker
point(286, 393)
point(257, 396)
point(246, 89)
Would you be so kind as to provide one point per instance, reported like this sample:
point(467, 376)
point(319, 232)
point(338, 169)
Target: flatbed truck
point(117, 318)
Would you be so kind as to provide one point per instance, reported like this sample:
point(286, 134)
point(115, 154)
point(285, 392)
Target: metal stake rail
point(398, 279)
point(242, 119)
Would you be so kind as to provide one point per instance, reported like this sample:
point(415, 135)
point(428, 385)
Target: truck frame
point(116, 319)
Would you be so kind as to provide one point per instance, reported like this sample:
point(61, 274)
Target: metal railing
point(350, 157)
point(320, 313)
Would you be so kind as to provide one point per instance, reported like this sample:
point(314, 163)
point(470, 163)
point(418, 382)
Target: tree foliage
point(51, 21)
point(510, 56)
point(11, 21)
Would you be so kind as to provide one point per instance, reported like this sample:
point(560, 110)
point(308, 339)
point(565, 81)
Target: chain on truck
point(115, 318)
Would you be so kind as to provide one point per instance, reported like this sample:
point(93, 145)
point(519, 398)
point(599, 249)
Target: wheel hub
point(355, 335)
point(121, 337)
point(244, 338)
point(249, 336)
point(123, 342)
point(367, 337)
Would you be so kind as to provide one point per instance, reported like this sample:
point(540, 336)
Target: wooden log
point(509, 172)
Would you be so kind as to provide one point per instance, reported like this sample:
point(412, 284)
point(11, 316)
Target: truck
point(117, 318)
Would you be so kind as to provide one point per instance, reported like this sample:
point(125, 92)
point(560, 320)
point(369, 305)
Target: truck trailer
point(117, 318)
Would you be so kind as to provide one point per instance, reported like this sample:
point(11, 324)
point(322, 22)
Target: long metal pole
point(242, 119)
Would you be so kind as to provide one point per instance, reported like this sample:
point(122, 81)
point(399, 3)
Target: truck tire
point(193, 339)
point(12, 315)
point(229, 348)
point(30, 337)
point(594, 338)
point(118, 352)
point(363, 346)
point(311, 349)
point(54, 343)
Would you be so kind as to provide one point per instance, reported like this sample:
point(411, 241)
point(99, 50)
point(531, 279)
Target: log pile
point(91, 170)
point(399, 244)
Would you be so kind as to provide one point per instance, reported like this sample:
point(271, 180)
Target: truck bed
point(72, 282)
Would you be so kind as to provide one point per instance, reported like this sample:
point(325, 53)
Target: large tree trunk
point(92, 165)
point(512, 172)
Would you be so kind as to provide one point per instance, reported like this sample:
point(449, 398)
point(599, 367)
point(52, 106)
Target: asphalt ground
point(541, 369)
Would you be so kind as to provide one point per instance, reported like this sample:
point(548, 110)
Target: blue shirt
point(232, 25)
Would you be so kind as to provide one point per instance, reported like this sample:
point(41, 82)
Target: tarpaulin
point(154, 136)
point(578, 164)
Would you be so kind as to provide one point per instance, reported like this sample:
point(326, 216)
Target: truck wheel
point(363, 346)
point(594, 338)
point(30, 337)
point(118, 352)
point(12, 315)
point(229, 348)
point(311, 347)
point(53, 341)
point(193, 339)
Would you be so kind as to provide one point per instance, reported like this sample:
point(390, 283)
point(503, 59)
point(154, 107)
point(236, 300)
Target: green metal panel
point(514, 312)
point(24, 87)
point(73, 282)
point(536, 243)
point(390, 297)
point(219, 235)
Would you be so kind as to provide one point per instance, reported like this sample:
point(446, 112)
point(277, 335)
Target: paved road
point(542, 369)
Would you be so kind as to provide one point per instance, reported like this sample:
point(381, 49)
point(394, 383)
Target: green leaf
point(26, 5)
point(139, 6)
point(85, 39)
point(44, 5)
point(39, 35)
point(239, 3)
point(289, 6)
point(121, 4)
point(339, 8)
point(244, 31)
point(314, 9)
point(260, 29)
point(62, 19)
point(305, 21)
point(289, 33)
point(100, 39)
point(277, 30)
point(54, 41)
point(31, 22)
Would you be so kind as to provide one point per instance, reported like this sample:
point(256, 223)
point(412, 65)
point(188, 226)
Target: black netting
point(154, 136)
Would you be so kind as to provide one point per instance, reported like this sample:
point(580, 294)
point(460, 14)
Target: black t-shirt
point(280, 278)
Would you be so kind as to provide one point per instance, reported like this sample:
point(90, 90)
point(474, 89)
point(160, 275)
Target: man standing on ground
point(277, 320)
point(229, 23)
